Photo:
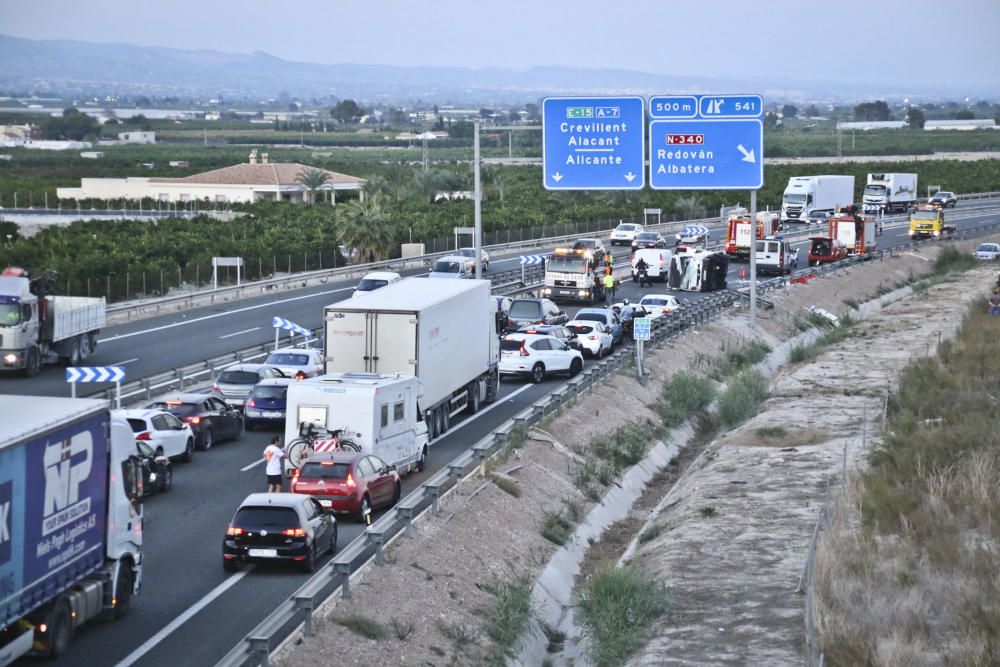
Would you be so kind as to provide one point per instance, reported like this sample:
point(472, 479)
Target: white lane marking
point(466, 422)
point(151, 643)
point(251, 465)
point(239, 333)
point(122, 363)
point(228, 312)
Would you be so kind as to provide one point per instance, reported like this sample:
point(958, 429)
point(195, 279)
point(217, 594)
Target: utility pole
point(477, 237)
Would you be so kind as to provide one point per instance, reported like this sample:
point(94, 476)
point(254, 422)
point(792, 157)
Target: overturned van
point(698, 271)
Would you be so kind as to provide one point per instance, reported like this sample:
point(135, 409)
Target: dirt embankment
point(733, 574)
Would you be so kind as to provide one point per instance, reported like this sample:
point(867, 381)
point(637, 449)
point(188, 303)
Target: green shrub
point(684, 394)
point(616, 608)
point(771, 432)
point(742, 398)
point(362, 625)
point(627, 444)
point(556, 528)
point(507, 618)
point(951, 260)
point(736, 360)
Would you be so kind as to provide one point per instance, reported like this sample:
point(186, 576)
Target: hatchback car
point(157, 471)
point(535, 357)
point(648, 240)
point(605, 316)
point(235, 382)
point(624, 233)
point(535, 311)
point(450, 267)
point(374, 280)
point(503, 313)
point(594, 338)
point(349, 482)
point(470, 254)
point(988, 251)
point(164, 433)
point(658, 305)
point(559, 331)
point(273, 527)
point(297, 362)
point(266, 403)
point(211, 419)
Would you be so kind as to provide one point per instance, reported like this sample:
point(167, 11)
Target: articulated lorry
point(886, 193)
point(444, 332)
point(807, 197)
point(70, 521)
point(38, 328)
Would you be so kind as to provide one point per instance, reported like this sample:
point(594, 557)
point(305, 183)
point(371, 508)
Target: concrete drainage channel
point(334, 580)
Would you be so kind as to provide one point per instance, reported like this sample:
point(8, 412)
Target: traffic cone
point(743, 273)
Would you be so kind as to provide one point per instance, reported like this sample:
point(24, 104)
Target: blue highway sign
point(677, 107)
point(593, 143)
point(706, 154)
point(641, 328)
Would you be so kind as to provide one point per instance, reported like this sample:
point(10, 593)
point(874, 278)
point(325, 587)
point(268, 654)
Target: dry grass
point(907, 572)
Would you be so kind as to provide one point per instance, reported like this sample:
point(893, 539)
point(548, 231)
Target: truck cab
point(571, 275)
point(928, 222)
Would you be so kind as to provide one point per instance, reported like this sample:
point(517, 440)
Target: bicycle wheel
point(349, 446)
point(298, 451)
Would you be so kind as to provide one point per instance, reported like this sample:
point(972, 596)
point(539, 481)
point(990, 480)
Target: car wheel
point(239, 429)
point(188, 451)
point(32, 363)
point(575, 367)
point(365, 509)
point(230, 564)
point(396, 494)
point(123, 590)
point(207, 440)
point(473, 404)
point(422, 461)
point(538, 373)
point(309, 564)
point(167, 479)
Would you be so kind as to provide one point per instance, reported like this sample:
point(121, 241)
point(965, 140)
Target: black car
point(648, 240)
point(594, 246)
point(279, 527)
point(535, 311)
point(943, 199)
point(503, 314)
point(211, 418)
point(157, 471)
point(555, 330)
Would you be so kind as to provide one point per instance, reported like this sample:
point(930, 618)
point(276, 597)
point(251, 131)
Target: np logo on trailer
point(593, 143)
point(95, 374)
point(706, 142)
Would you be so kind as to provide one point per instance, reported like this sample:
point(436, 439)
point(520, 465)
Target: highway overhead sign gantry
point(706, 142)
point(593, 143)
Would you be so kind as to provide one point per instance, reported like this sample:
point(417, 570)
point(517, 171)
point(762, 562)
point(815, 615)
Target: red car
point(348, 482)
point(825, 249)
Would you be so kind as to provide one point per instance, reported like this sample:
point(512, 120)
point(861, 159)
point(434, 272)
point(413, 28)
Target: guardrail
point(297, 611)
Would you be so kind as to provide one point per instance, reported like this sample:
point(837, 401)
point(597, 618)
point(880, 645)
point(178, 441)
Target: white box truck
point(70, 520)
point(887, 193)
point(377, 412)
point(444, 332)
point(808, 196)
point(37, 328)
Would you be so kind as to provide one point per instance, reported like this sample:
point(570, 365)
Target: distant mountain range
point(88, 68)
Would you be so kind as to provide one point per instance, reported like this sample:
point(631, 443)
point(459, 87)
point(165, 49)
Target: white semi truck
point(37, 328)
point(70, 521)
point(444, 332)
point(887, 193)
point(806, 197)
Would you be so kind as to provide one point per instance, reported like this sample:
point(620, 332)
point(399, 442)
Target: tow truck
point(928, 222)
point(571, 274)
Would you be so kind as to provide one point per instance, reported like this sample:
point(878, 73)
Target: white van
point(775, 256)
point(657, 260)
point(375, 280)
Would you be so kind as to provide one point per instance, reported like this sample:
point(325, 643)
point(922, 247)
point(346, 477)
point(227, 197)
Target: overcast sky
point(889, 42)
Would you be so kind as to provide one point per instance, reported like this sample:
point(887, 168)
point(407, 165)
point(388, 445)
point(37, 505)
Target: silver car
point(235, 383)
point(484, 257)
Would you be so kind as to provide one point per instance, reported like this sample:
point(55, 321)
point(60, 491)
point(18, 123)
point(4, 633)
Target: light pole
point(477, 237)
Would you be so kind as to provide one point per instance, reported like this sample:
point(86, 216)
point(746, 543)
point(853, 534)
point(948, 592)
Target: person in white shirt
point(273, 454)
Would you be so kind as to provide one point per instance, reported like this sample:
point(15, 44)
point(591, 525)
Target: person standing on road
point(609, 289)
point(273, 455)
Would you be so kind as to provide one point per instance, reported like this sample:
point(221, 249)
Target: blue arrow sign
point(95, 374)
point(532, 260)
point(704, 154)
point(593, 143)
point(282, 323)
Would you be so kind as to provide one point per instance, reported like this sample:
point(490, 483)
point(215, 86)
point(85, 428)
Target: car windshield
point(925, 215)
point(585, 245)
point(580, 329)
point(988, 247)
point(10, 314)
point(266, 517)
point(447, 266)
point(138, 425)
point(653, 302)
point(592, 317)
point(273, 393)
point(287, 359)
point(567, 265)
point(646, 236)
point(368, 284)
point(821, 247)
point(467, 252)
point(625, 228)
point(795, 199)
point(324, 470)
point(943, 195)
point(239, 377)
point(525, 310)
point(510, 345)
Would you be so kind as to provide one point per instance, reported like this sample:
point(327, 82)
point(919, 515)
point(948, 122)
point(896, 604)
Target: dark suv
point(210, 417)
point(535, 311)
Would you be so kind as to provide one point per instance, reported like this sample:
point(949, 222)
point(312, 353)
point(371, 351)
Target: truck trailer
point(886, 193)
point(70, 521)
point(444, 332)
point(809, 196)
point(37, 327)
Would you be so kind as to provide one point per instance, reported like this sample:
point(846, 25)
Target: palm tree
point(311, 180)
point(427, 184)
point(377, 185)
point(689, 205)
point(365, 225)
point(398, 179)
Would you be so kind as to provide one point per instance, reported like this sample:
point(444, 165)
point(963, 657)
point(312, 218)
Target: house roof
point(270, 174)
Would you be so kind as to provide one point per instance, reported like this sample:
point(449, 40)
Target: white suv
point(625, 233)
point(164, 433)
point(535, 356)
point(592, 336)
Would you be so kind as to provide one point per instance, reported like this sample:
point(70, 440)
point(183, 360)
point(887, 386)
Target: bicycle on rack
point(313, 438)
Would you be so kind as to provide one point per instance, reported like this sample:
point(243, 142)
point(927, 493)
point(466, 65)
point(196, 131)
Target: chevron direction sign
point(532, 260)
point(282, 323)
point(95, 374)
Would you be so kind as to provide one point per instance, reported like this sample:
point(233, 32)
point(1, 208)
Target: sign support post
point(753, 260)
point(641, 327)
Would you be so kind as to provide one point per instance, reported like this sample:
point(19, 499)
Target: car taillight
point(234, 531)
point(591, 337)
point(145, 435)
point(193, 420)
point(524, 351)
point(251, 403)
point(301, 375)
point(293, 532)
point(350, 481)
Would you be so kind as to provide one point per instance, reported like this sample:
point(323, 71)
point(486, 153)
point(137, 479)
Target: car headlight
point(10, 358)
